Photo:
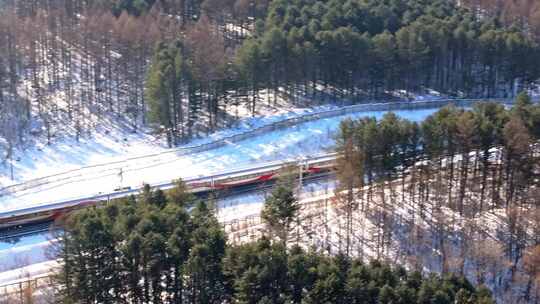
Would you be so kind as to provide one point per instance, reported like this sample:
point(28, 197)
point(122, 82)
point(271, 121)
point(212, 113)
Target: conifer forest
point(270, 151)
point(177, 65)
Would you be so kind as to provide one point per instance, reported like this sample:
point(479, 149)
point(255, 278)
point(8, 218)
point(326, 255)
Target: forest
point(454, 199)
point(176, 67)
point(452, 172)
point(150, 249)
point(474, 220)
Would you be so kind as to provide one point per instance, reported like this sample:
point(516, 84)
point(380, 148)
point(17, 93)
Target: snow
point(35, 249)
point(534, 92)
point(30, 271)
point(25, 240)
point(112, 158)
point(108, 145)
point(323, 222)
point(104, 146)
point(308, 138)
point(240, 207)
point(429, 95)
point(246, 205)
point(414, 233)
point(304, 139)
point(25, 251)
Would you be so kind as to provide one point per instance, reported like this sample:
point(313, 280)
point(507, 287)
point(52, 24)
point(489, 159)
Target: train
point(217, 182)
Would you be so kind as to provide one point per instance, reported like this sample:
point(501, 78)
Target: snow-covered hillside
point(304, 139)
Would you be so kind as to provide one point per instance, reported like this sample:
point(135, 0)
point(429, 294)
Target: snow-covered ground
point(9, 279)
point(304, 139)
point(18, 256)
point(246, 205)
point(414, 231)
point(115, 144)
point(403, 232)
point(25, 251)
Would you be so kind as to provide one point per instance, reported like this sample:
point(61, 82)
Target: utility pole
point(121, 176)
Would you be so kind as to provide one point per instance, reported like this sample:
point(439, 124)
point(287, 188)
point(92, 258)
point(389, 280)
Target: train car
point(218, 182)
point(41, 215)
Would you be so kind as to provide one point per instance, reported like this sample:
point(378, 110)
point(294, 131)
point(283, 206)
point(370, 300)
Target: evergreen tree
point(163, 85)
point(280, 211)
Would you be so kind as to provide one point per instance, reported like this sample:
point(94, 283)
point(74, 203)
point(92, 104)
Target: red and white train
point(221, 181)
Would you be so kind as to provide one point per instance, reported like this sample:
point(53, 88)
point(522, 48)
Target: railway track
point(31, 214)
point(259, 178)
point(12, 234)
point(112, 168)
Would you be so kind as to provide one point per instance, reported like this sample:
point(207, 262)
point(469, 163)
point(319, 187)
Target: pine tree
point(206, 282)
point(280, 211)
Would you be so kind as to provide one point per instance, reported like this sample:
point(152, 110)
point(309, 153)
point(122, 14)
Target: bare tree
point(350, 176)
